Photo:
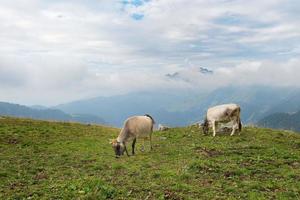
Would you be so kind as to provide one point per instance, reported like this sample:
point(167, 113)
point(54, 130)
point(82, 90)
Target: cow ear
point(112, 141)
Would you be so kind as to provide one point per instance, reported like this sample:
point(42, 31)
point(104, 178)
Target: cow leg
point(151, 141)
point(234, 127)
point(214, 128)
point(232, 132)
point(143, 146)
point(126, 151)
point(133, 145)
point(240, 126)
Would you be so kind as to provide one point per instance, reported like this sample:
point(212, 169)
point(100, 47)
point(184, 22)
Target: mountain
point(255, 101)
point(204, 70)
point(8, 109)
point(282, 121)
point(39, 107)
point(184, 74)
point(167, 108)
point(180, 108)
point(52, 160)
point(290, 104)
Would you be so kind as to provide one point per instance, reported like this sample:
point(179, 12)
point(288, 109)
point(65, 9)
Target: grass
point(51, 160)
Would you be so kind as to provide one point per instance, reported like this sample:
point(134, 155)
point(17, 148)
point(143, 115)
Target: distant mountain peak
point(204, 70)
point(173, 75)
point(183, 74)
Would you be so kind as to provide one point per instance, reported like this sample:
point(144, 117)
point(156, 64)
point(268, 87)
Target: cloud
point(267, 73)
point(57, 51)
point(259, 73)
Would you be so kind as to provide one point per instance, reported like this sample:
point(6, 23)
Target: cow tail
point(153, 122)
point(240, 123)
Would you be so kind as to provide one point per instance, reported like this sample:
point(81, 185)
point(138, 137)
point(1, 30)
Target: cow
point(134, 127)
point(223, 114)
point(162, 127)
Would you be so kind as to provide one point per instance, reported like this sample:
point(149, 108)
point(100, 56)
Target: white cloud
point(262, 73)
point(58, 51)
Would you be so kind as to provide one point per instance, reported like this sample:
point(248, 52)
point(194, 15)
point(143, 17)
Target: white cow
point(134, 127)
point(223, 114)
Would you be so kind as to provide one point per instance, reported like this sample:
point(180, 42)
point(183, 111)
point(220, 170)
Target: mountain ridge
point(17, 110)
point(181, 109)
point(289, 121)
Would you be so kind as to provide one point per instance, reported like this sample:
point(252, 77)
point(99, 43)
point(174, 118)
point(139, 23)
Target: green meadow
point(55, 160)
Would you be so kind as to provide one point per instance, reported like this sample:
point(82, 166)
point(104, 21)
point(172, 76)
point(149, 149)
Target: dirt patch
point(293, 164)
point(245, 148)
point(88, 161)
point(15, 185)
point(168, 194)
point(247, 163)
point(229, 174)
point(206, 182)
point(40, 176)
point(208, 152)
point(12, 141)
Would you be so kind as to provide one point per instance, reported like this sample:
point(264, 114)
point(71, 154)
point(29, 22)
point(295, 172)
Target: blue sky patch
point(135, 2)
point(137, 16)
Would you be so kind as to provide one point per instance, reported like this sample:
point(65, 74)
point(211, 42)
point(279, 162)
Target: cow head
point(205, 127)
point(118, 147)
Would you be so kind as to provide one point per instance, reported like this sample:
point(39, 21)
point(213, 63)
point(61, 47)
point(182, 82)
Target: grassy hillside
point(47, 160)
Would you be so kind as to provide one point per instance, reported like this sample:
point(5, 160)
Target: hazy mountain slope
point(255, 101)
point(282, 121)
point(168, 108)
point(290, 104)
point(9, 109)
point(39, 107)
point(182, 108)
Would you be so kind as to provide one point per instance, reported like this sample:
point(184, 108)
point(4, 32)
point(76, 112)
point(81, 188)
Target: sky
point(56, 51)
